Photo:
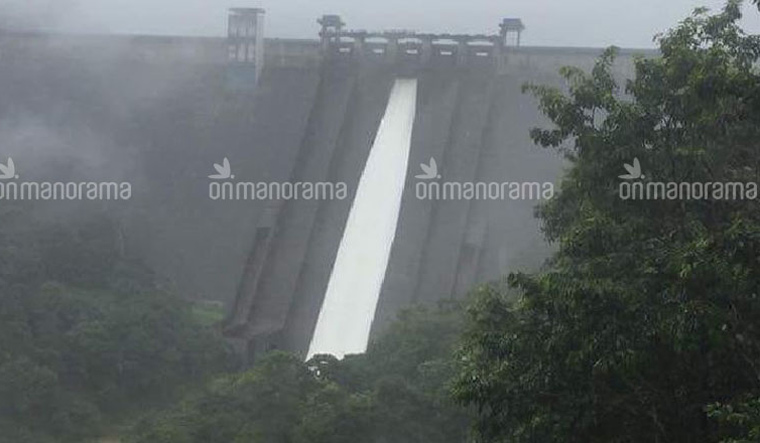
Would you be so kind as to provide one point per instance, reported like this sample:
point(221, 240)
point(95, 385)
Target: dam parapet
point(412, 49)
point(246, 49)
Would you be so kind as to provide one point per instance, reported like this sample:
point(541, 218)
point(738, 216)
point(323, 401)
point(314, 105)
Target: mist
point(586, 23)
point(443, 293)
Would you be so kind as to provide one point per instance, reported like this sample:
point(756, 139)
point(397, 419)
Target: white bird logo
point(8, 172)
point(224, 171)
point(634, 171)
point(430, 171)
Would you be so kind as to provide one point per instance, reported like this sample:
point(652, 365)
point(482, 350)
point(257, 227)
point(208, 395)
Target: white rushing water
point(349, 306)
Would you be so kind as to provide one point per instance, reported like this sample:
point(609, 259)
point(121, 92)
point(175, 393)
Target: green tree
point(85, 334)
point(739, 420)
point(396, 392)
point(649, 312)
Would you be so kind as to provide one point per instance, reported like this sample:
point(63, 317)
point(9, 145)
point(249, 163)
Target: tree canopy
point(648, 315)
point(85, 334)
point(396, 392)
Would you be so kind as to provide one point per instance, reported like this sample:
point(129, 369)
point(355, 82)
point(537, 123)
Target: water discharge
point(352, 294)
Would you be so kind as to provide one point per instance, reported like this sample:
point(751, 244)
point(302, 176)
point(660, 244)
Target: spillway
point(345, 319)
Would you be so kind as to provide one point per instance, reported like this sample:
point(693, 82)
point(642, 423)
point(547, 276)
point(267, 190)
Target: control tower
point(245, 40)
point(511, 31)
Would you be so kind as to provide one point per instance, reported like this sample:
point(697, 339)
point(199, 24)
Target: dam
point(299, 111)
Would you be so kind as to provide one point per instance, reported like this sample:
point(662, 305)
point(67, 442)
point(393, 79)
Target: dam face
point(167, 109)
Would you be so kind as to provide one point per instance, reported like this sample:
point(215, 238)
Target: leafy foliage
point(395, 392)
point(742, 419)
point(649, 311)
point(84, 333)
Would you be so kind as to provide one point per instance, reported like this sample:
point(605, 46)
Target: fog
point(332, 293)
point(625, 23)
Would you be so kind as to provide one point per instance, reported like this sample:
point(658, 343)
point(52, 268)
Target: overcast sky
point(626, 23)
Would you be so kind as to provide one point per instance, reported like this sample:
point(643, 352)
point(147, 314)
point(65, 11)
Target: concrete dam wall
point(164, 108)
